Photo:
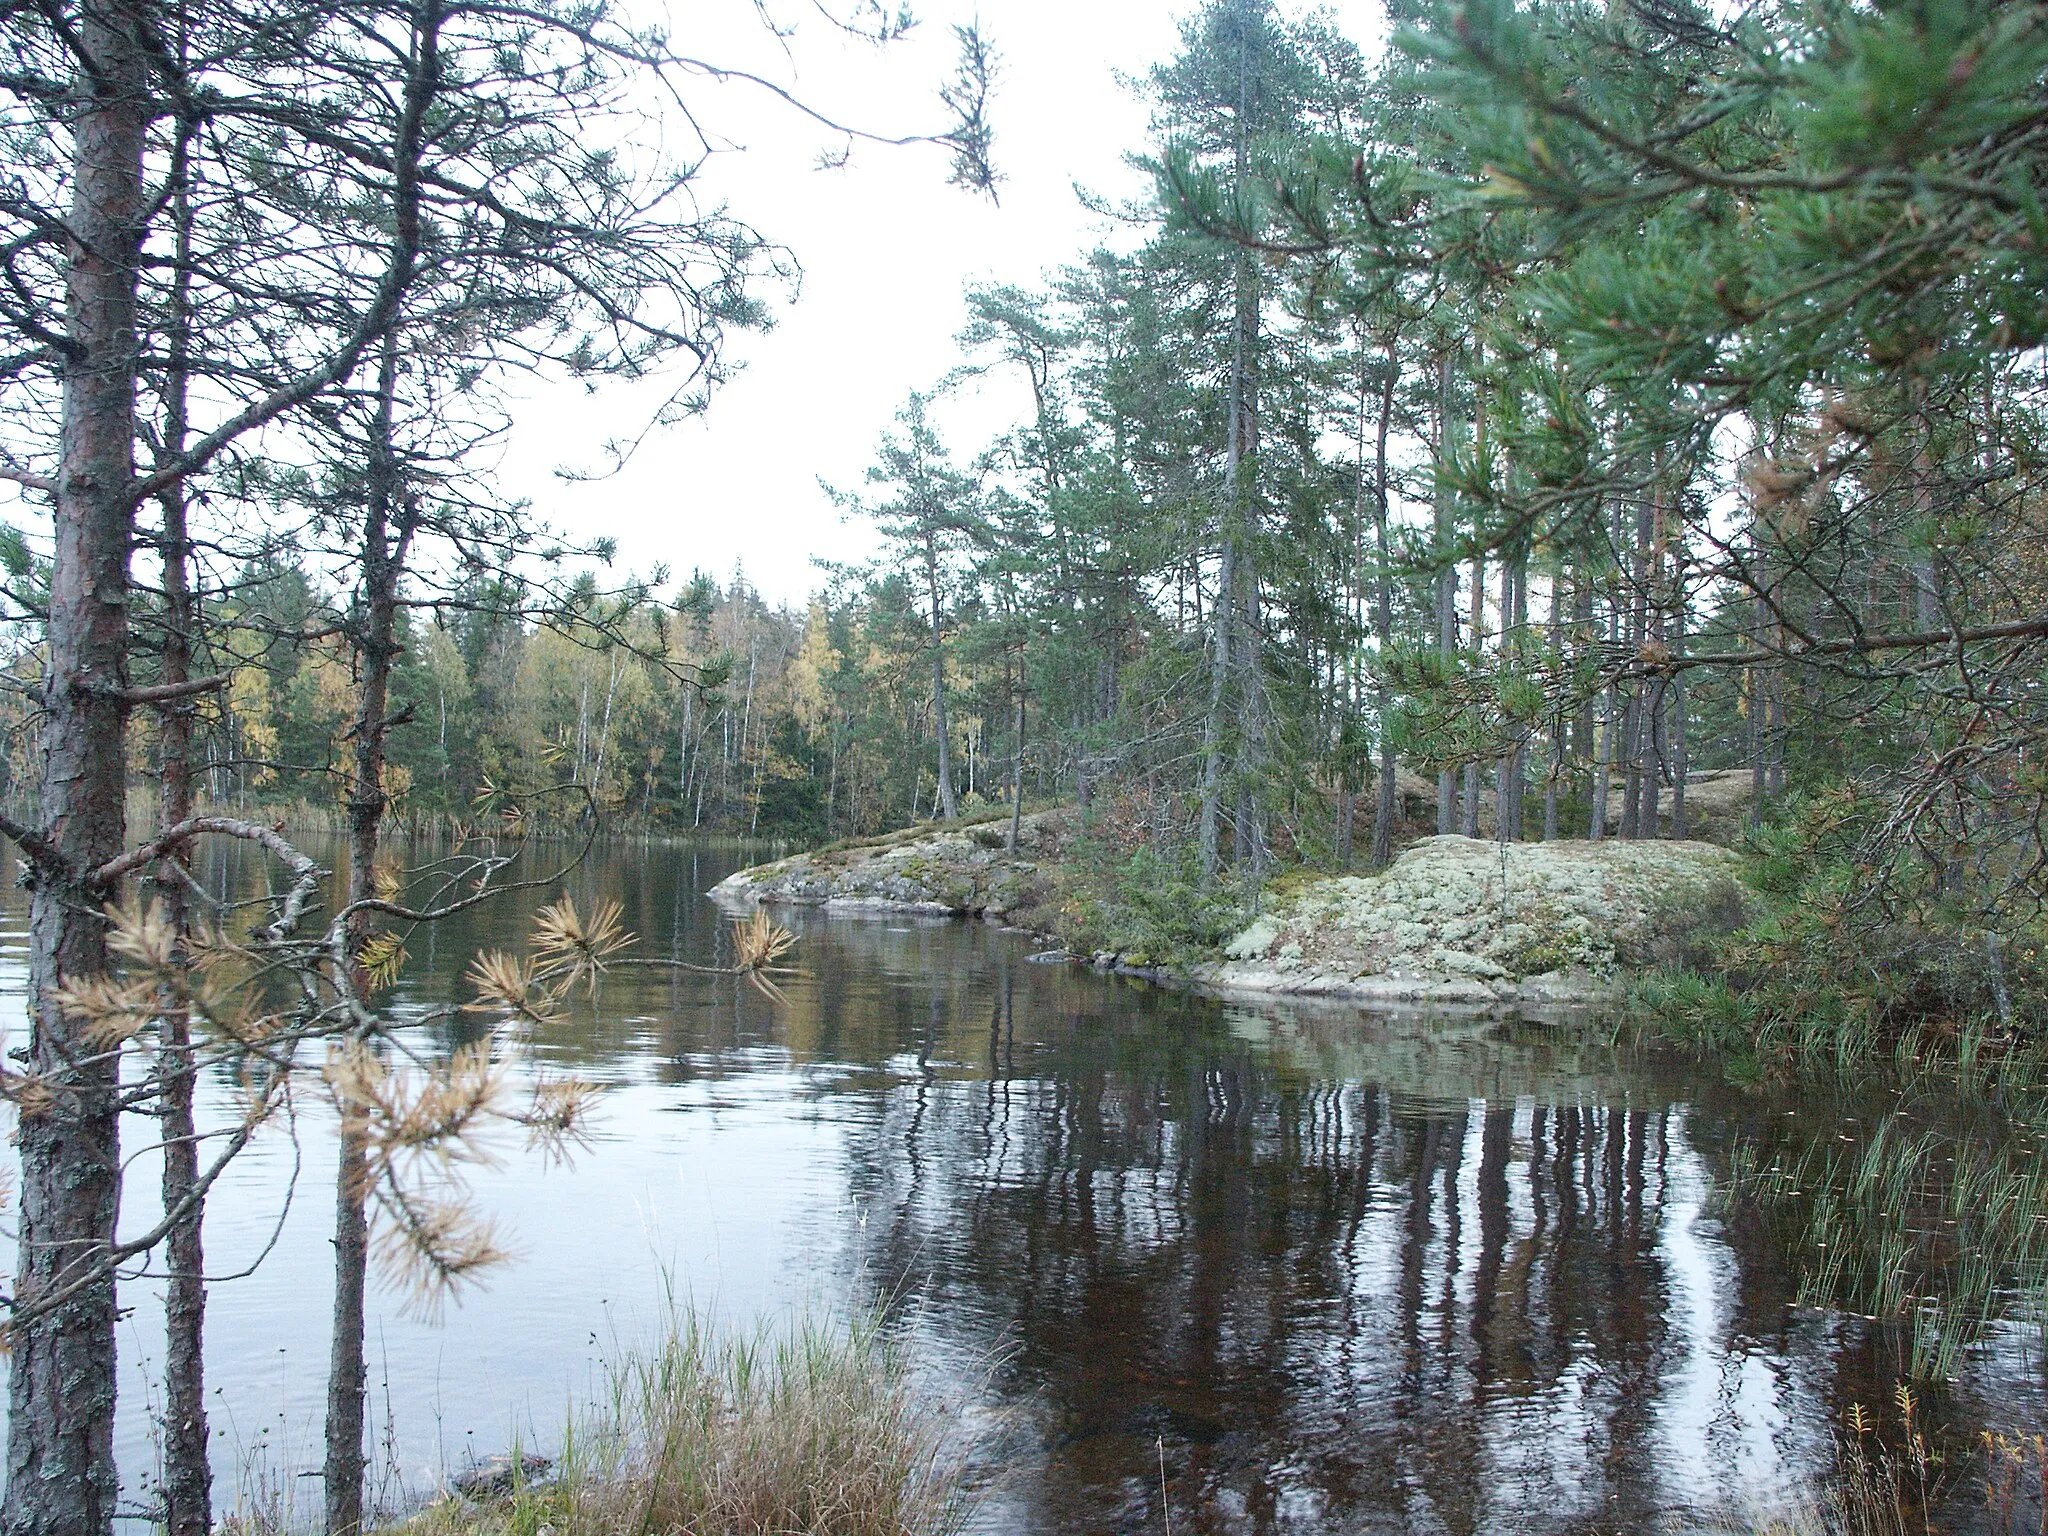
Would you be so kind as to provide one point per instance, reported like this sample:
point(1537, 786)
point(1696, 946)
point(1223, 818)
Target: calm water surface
point(1343, 1272)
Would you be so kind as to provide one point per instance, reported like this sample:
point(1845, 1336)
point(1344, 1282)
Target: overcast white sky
point(886, 246)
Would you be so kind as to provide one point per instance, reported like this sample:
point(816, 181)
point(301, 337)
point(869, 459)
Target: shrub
point(1149, 907)
point(1904, 952)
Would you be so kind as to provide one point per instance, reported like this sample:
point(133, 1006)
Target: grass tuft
point(815, 1432)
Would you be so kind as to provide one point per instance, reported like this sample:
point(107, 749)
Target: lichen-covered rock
point(956, 871)
point(1454, 919)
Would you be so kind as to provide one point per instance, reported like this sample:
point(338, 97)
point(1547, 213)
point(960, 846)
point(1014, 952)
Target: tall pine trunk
point(1228, 656)
point(1389, 805)
point(947, 807)
point(1509, 766)
point(187, 1476)
point(1222, 612)
point(1016, 782)
point(1446, 587)
point(387, 536)
point(1603, 752)
point(1634, 732)
point(62, 1379)
point(1468, 810)
point(1681, 762)
point(1234, 647)
point(1584, 640)
point(1658, 695)
point(1252, 705)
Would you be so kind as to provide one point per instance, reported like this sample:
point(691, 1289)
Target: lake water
point(1342, 1272)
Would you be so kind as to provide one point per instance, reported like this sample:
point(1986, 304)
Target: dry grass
point(811, 1433)
point(1895, 1485)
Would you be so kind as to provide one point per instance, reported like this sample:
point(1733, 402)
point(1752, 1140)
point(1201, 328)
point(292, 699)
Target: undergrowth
point(1915, 960)
point(1147, 907)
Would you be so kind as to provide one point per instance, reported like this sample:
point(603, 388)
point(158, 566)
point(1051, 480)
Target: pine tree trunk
point(1016, 783)
point(1234, 592)
point(188, 1475)
point(1681, 764)
point(1225, 610)
point(1251, 812)
point(1584, 636)
point(1222, 616)
point(1383, 627)
point(1446, 590)
point(1656, 731)
point(1610, 723)
point(62, 1378)
point(1468, 814)
point(1510, 768)
point(387, 536)
point(1681, 758)
point(1635, 728)
point(1554, 778)
point(947, 808)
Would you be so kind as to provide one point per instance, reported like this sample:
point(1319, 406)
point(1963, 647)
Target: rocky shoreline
point(1452, 920)
point(957, 870)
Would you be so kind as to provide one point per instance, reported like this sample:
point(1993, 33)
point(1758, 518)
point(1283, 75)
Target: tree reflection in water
point(1405, 1273)
point(1340, 1272)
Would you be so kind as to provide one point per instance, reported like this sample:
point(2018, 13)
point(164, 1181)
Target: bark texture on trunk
point(1016, 783)
point(1222, 614)
point(387, 535)
point(61, 1389)
point(948, 808)
point(1230, 643)
point(1468, 809)
point(1389, 805)
point(1554, 776)
point(187, 1475)
point(1510, 767)
point(1233, 650)
point(1446, 590)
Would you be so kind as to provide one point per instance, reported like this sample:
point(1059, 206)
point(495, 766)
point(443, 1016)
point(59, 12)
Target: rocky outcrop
point(1453, 920)
point(955, 870)
point(1458, 920)
point(1717, 805)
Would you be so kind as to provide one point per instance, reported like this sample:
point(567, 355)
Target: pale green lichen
point(1494, 914)
point(944, 870)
